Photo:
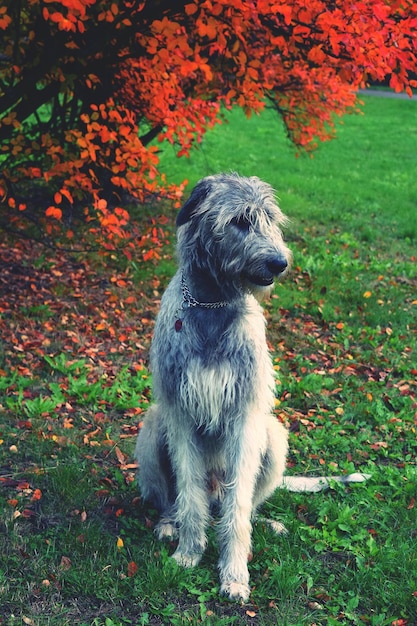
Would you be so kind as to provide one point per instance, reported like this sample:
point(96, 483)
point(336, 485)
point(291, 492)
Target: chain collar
point(190, 301)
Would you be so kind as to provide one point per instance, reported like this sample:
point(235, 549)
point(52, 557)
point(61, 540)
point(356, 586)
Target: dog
point(211, 443)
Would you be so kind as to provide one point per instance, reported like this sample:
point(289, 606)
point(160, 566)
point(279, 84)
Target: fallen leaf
point(315, 606)
point(120, 456)
point(37, 495)
point(65, 563)
point(378, 445)
point(132, 568)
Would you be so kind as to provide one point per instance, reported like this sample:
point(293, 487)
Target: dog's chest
point(216, 364)
point(211, 337)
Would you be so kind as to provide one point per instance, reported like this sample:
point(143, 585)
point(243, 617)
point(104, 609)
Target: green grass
point(364, 181)
point(342, 329)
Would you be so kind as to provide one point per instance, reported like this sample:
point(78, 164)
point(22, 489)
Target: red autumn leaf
point(132, 568)
point(37, 495)
point(68, 196)
point(54, 211)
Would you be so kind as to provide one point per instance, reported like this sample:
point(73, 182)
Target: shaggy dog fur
point(211, 442)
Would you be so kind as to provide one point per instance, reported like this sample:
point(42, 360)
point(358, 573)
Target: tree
point(88, 86)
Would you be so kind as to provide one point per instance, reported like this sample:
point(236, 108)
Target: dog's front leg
point(192, 505)
point(235, 525)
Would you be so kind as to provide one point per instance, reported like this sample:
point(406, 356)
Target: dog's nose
point(277, 266)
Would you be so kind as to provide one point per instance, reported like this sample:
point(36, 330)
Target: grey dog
point(211, 442)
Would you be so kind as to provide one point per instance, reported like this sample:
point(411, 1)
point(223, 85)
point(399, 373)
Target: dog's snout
point(277, 266)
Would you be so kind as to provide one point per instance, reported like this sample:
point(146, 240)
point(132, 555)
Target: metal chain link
point(190, 301)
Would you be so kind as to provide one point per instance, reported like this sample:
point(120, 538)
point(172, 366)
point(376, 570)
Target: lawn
point(76, 540)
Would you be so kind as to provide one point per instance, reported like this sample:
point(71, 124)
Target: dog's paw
point(276, 527)
point(238, 592)
point(187, 559)
point(166, 529)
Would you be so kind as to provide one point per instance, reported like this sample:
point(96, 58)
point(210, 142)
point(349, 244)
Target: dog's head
point(231, 227)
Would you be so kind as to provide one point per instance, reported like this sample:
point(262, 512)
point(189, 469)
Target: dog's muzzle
point(273, 268)
point(277, 266)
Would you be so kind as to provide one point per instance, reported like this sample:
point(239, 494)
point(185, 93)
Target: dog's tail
point(313, 484)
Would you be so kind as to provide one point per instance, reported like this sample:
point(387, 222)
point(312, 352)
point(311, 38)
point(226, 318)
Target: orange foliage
point(87, 85)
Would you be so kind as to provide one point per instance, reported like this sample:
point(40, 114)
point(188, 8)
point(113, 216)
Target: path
point(384, 93)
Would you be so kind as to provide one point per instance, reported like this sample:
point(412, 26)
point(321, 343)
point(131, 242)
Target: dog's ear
point(198, 195)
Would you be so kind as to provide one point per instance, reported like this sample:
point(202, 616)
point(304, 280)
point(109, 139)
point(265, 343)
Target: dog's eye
point(242, 223)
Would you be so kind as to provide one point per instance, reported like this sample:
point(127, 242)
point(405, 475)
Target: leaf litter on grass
point(74, 348)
